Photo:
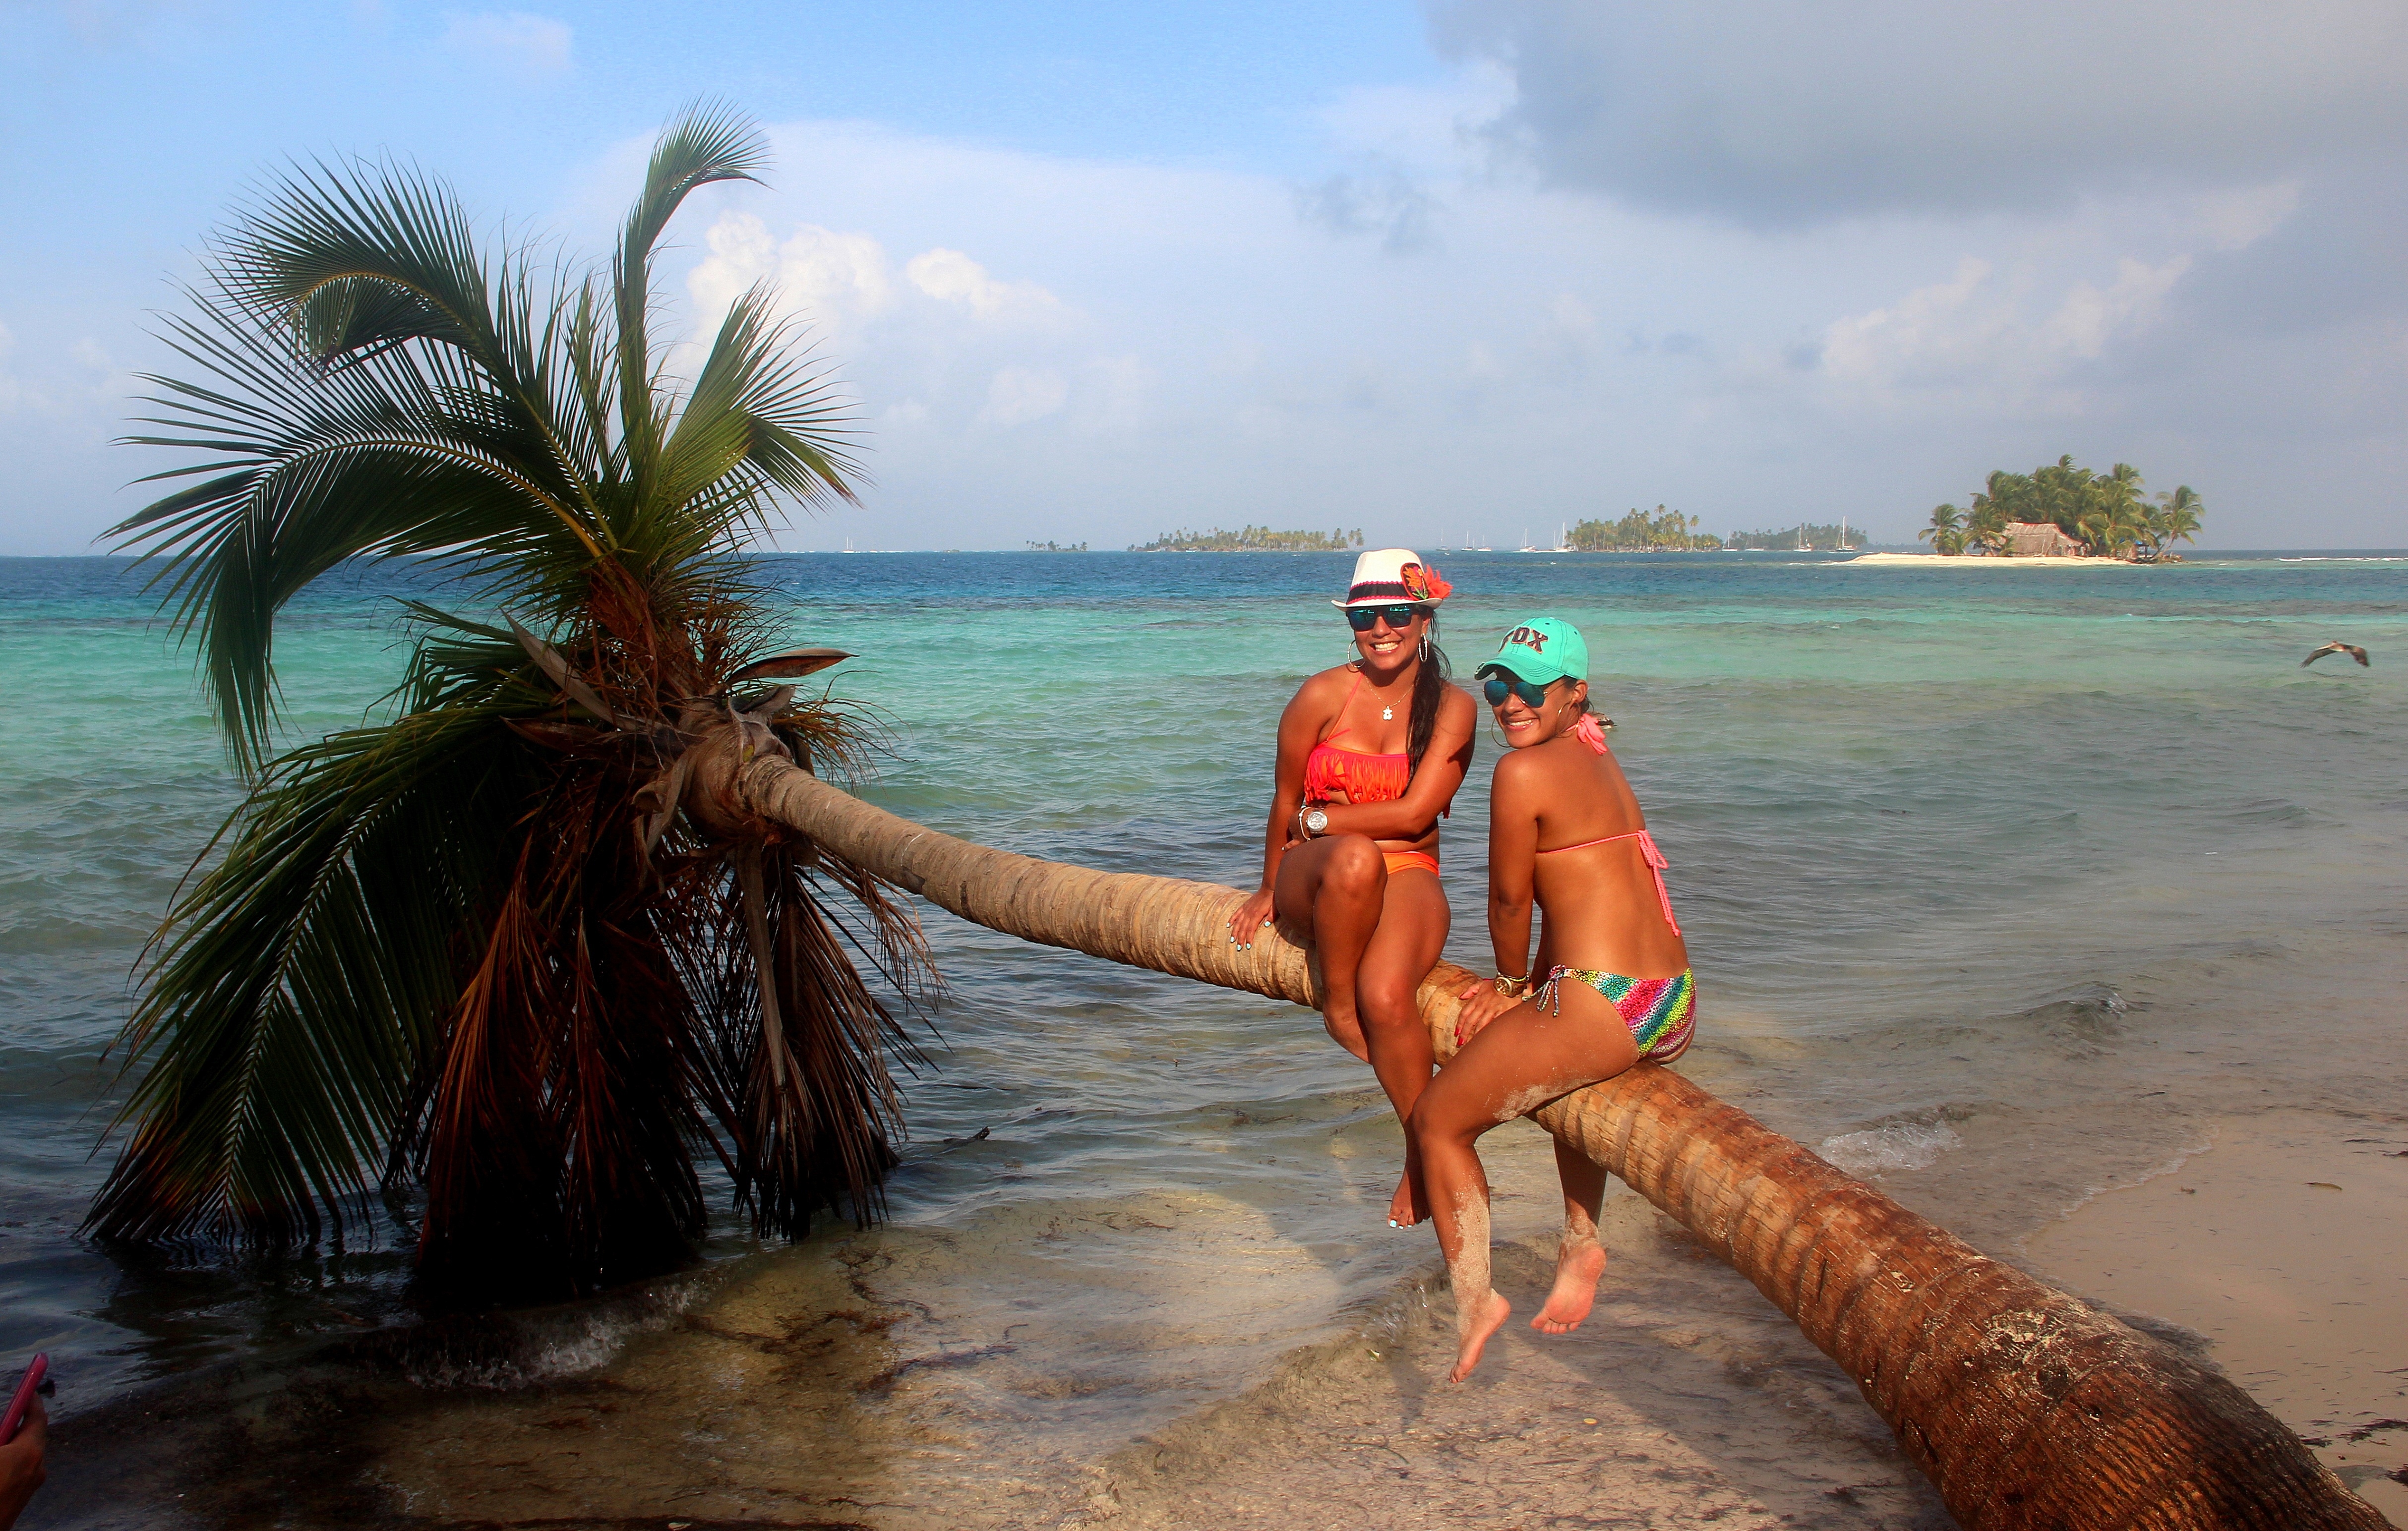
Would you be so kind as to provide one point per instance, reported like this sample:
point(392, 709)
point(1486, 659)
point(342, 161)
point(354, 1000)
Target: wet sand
point(888, 1381)
point(829, 1393)
point(2282, 1239)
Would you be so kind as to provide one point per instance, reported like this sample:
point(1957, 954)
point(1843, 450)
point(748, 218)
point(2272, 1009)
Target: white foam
point(563, 1342)
point(1901, 1145)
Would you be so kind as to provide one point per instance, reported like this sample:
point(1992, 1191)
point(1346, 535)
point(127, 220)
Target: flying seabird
point(2350, 649)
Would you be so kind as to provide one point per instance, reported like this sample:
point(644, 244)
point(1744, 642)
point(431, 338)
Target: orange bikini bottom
point(1402, 861)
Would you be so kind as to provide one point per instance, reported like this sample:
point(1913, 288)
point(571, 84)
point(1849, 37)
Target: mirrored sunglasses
point(1497, 688)
point(1360, 618)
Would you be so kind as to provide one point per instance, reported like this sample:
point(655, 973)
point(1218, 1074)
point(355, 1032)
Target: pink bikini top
point(1588, 733)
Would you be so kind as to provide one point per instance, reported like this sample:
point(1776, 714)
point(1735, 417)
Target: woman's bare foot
point(1578, 1269)
point(1483, 1321)
point(1346, 1029)
point(1410, 1207)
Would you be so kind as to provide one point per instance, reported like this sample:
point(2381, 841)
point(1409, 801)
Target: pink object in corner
point(22, 1404)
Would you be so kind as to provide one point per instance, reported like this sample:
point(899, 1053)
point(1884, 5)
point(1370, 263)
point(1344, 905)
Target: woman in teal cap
point(1565, 833)
point(1370, 754)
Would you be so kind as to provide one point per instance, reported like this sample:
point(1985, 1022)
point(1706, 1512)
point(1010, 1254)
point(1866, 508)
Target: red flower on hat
point(1423, 584)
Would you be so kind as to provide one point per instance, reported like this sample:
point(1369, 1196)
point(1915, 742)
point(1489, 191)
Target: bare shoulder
point(1518, 770)
point(1558, 766)
point(1321, 695)
point(1326, 685)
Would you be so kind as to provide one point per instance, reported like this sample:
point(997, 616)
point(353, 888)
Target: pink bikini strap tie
point(1588, 733)
point(1655, 864)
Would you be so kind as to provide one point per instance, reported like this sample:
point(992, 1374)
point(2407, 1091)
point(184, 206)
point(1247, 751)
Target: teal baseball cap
point(1540, 649)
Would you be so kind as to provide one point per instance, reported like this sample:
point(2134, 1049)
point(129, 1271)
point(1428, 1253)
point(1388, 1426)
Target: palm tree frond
point(709, 143)
point(287, 1017)
point(361, 262)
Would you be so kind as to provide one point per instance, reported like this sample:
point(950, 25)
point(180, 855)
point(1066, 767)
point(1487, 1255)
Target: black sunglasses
point(1497, 688)
point(1360, 618)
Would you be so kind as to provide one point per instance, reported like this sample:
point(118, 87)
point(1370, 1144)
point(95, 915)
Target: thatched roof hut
point(2040, 539)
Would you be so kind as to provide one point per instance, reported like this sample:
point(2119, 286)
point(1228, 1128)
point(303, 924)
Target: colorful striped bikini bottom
point(1661, 1013)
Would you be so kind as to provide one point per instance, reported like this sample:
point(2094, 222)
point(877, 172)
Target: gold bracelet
point(1512, 988)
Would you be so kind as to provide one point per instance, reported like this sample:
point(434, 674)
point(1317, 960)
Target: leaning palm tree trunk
point(2027, 1408)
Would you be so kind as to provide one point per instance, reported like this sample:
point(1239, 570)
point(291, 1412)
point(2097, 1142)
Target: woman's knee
point(1439, 1122)
point(1387, 1002)
point(1355, 865)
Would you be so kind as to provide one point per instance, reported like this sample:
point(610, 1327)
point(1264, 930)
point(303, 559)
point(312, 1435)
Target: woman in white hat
point(1609, 988)
point(1351, 853)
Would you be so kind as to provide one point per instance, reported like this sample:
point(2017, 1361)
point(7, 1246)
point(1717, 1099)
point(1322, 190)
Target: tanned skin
point(21, 1464)
point(1377, 935)
point(1601, 911)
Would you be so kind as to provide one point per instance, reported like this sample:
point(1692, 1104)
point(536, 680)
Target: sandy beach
point(2279, 1241)
point(834, 1393)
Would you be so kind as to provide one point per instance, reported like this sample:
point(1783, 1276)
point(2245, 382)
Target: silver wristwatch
point(1315, 823)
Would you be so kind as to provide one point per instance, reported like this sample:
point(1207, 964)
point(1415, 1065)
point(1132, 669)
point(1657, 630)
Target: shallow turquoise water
point(2023, 868)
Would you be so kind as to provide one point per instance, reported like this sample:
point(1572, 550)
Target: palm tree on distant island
point(2173, 519)
point(1946, 533)
point(474, 947)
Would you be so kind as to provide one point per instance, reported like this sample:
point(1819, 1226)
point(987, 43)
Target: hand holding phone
point(23, 1449)
point(24, 1402)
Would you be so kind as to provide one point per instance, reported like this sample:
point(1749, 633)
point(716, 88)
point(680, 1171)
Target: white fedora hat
point(1393, 575)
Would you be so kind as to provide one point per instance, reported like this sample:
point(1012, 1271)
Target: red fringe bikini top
point(1363, 777)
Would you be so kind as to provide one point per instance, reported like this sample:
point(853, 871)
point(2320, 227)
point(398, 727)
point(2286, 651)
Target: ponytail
point(1429, 689)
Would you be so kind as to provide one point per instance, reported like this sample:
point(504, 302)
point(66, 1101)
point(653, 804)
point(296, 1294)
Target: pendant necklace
point(1387, 714)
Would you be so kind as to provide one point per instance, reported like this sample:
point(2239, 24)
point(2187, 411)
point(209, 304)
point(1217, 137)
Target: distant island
point(1057, 547)
point(1253, 539)
point(1670, 531)
point(2062, 509)
point(1808, 536)
point(1665, 531)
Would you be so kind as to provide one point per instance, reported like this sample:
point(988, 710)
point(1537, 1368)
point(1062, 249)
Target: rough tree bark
point(2028, 1410)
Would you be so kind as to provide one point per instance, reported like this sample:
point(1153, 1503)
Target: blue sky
point(1480, 265)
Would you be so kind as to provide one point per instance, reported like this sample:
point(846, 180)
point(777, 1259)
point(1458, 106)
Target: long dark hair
point(1429, 689)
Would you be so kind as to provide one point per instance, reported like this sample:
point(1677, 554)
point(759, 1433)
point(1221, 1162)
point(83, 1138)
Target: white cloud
point(1018, 395)
point(950, 277)
point(515, 42)
point(2239, 218)
point(1935, 333)
point(838, 281)
point(2090, 316)
point(1976, 342)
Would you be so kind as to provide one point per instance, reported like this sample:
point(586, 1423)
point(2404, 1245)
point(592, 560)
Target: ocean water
point(2000, 884)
